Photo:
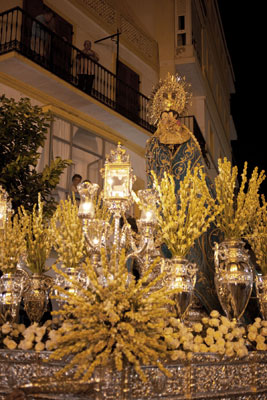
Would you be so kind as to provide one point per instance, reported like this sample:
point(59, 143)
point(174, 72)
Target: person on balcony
point(41, 38)
point(76, 179)
point(84, 66)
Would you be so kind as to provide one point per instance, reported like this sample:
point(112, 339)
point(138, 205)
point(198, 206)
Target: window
point(181, 39)
point(84, 148)
point(181, 22)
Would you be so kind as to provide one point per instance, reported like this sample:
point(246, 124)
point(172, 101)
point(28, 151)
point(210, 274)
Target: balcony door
point(58, 59)
point(127, 92)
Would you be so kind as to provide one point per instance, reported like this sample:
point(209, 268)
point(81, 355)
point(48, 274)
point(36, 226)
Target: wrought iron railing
point(26, 35)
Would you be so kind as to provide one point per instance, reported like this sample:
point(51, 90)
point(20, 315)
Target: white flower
point(54, 335)
point(221, 342)
point(189, 356)
point(210, 332)
point(214, 322)
point(168, 330)
point(209, 340)
point(229, 336)
point(197, 327)
point(229, 352)
point(21, 328)
point(203, 348)
point(223, 329)
point(213, 348)
point(221, 350)
point(198, 339)
point(39, 346)
point(252, 328)
point(225, 321)
point(174, 321)
point(15, 333)
point(25, 345)
point(242, 352)
point(11, 344)
point(237, 332)
point(188, 346)
point(49, 345)
point(29, 335)
point(260, 339)
point(214, 314)
point(178, 354)
point(47, 323)
point(217, 335)
point(40, 333)
point(6, 328)
point(196, 348)
point(261, 346)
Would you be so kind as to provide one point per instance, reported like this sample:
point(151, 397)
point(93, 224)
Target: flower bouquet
point(237, 208)
point(181, 225)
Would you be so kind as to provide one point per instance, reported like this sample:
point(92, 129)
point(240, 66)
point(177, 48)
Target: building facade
point(96, 104)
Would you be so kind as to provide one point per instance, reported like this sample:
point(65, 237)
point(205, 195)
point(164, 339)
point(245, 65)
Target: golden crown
point(172, 93)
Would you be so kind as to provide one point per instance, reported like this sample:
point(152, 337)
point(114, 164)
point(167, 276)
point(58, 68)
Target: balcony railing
point(24, 34)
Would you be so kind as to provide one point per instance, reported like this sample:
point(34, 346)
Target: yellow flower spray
point(180, 225)
point(112, 323)
point(237, 212)
point(38, 238)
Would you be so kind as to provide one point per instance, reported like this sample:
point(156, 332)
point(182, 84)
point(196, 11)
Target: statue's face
point(168, 116)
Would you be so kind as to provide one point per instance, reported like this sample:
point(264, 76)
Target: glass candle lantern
point(87, 192)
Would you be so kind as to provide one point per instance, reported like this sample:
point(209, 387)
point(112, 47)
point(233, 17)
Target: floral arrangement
point(181, 226)
point(258, 238)
point(38, 238)
point(237, 211)
point(213, 334)
point(35, 337)
point(115, 322)
point(12, 244)
point(257, 334)
point(67, 234)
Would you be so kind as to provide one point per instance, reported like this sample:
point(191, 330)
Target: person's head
point(169, 115)
point(87, 44)
point(48, 15)
point(76, 179)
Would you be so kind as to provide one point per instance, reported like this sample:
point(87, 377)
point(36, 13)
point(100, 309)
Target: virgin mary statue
point(171, 149)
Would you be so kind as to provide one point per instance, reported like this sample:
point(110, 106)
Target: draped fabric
point(174, 159)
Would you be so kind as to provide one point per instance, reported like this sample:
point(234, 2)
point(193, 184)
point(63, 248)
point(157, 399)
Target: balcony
point(22, 35)
point(44, 48)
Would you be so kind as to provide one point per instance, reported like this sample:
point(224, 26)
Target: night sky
point(245, 32)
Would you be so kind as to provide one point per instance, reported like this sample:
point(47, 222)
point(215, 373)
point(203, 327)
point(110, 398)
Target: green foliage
point(23, 130)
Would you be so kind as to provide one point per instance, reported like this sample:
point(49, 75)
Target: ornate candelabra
point(118, 196)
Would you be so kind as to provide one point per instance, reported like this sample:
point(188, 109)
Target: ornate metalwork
point(234, 277)
point(207, 376)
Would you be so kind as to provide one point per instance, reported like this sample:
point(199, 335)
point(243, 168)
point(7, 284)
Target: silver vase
point(10, 296)
point(36, 296)
point(233, 277)
point(261, 289)
point(181, 276)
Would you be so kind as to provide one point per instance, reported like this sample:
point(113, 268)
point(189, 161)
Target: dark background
point(245, 27)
